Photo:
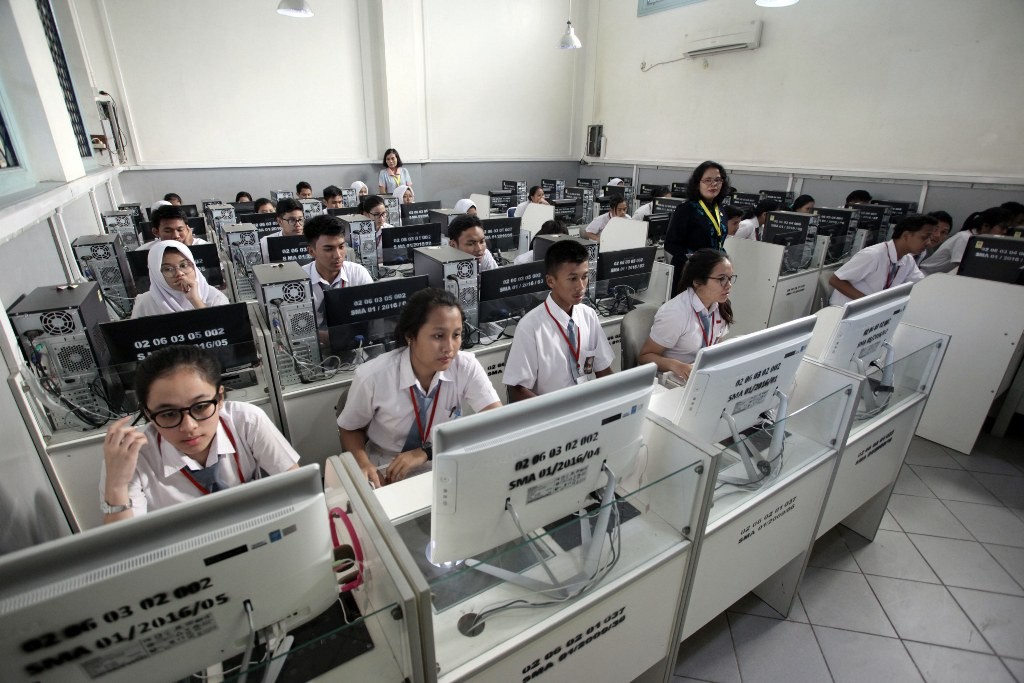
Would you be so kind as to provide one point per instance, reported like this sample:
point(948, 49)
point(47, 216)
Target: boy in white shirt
point(466, 233)
point(751, 228)
point(292, 220)
point(325, 240)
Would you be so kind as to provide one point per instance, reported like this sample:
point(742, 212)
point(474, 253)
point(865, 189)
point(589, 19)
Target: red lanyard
point(707, 336)
point(188, 475)
point(416, 411)
point(894, 269)
point(576, 353)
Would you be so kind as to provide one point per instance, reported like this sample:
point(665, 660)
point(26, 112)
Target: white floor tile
point(845, 654)
point(986, 463)
point(926, 613)
point(954, 485)
point(889, 522)
point(751, 604)
point(965, 564)
point(1011, 559)
point(945, 665)
point(926, 516)
point(1009, 490)
point(830, 552)
point(923, 452)
point(891, 554)
point(989, 524)
point(843, 600)
point(1000, 618)
point(1016, 667)
point(708, 654)
point(909, 484)
point(770, 650)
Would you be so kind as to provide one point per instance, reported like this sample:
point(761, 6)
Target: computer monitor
point(788, 229)
point(592, 183)
point(900, 209)
point(613, 191)
point(206, 256)
point(502, 200)
point(244, 207)
point(502, 233)
point(418, 212)
point(509, 291)
point(629, 268)
point(288, 248)
point(344, 211)
point(397, 243)
point(867, 323)
point(164, 595)
point(990, 257)
point(679, 190)
point(567, 211)
point(840, 226)
point(783, 197)
point(666, 205)
point(746, 201)
point(875, 218)
point(657, 228)
point(540, 458)
point(265, 223)
point(1016, 232)
point(366, 315)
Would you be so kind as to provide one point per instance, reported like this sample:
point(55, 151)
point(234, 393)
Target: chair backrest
point(636, 327)
point(511, 212)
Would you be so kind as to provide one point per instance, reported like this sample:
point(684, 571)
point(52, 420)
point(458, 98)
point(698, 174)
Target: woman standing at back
point(698, 223)
point(393, 175)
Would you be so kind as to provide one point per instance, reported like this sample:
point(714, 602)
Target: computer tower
point(278, 195)
point(218, 216)
point(543, 242)
point(361, 242)
point(516, 186)
point(122, 224)
point(102, 259)
point(554, 188)
point(207, 203)
point(349, 198)
point(284, 291)
point(451, 269)
point(135, 209)
point(584, 195)
point(392, 204)
point(58, 325)
point(444, 217)
point(311, 207)
point(242, 244)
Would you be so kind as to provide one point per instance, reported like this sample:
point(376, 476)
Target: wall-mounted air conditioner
point(727, 38)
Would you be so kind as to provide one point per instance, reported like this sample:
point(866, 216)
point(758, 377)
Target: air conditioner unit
point(728, 38)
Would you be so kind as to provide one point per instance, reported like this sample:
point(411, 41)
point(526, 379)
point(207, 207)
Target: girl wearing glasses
point(375, 208)
point(175, 283)
point(698, 223)
point(196, 443)
point(700, 316)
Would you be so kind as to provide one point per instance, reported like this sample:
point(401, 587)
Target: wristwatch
point(429, 450)
point(108, 509)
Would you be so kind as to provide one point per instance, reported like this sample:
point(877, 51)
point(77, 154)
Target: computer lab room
point(543, 340)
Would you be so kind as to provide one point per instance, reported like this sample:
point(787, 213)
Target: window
point(60, 65)
point(7, 156)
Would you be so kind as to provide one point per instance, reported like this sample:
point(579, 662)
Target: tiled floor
point(937, 597)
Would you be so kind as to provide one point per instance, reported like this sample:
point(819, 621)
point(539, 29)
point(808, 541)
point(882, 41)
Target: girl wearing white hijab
point(361, 189)
point(465, 206)
point(175, 283)
point(400, 194)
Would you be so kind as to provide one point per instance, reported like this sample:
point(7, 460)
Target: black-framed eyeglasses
point(170, 270)
point(725, 279)
point(294, 221)
point(169, 418)
point(378, 214)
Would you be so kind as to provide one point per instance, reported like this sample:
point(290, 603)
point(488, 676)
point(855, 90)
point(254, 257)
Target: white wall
point(915, 86)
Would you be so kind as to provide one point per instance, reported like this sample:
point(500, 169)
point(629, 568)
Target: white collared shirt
point(868, 271)
point(149, 245)
point(748, 229)
point(948, 255)
point(379, 399)
point(645, 210)
point(678, 328)
point(525, 257)
point(539, 357)
point(158, 481)
point(598, 225)
point(351, 274)
point(487, 261)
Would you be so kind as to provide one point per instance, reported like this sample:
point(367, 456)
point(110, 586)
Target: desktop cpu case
point(361, 242)
point(543, 242)
point(242, 244)
point(283, 290)
point(102, 259)
point(122, 223)
point(454, 270)
point(57, 328)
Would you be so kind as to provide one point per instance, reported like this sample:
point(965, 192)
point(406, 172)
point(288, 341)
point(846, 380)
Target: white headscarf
point(157, 205)
point(358, 186)
point(165, 295)
point(615, 182)
point(464, 205)
point(400, 193)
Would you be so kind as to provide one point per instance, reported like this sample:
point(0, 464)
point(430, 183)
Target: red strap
point(575, 353)
point(188, 475)
point(424, 435)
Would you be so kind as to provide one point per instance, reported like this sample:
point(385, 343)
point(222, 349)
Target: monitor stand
point(758, 469)
point(871, 403)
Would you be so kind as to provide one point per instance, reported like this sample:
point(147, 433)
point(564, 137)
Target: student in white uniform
point(291, 219)
point(243, 196)
point(697, 317)
point(361, 189)
point(196, 443)
point(169, 223)
point(648, 208)
point(939, 235)
point(264, 205)
point(404, 194)
point(752, 228)
point(559, 343)
point(547, 228)
point(333, 197)
point(465, 206)
point(732, 216)
point(884, 265)
point(325, 239)
point(303, 190)
point(393, 174)
point(466, 233)
point(536, 196)
point(803, 204)
point(373, 207)
point(946, 259)
point(398, 397)
point(616, 209)
point(175, 283)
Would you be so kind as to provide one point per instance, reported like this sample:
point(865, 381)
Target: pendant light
point(294, 8)
point(569, 41)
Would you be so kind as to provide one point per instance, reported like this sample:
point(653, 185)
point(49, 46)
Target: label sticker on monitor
point(559, 483)
point(147, 646)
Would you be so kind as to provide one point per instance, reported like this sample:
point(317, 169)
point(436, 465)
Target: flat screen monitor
point(592, 183)
point(397, 243)
point(418, 212)
point(739, 378)
point(541, 457)
point(994, 258)
point(613, 191)
point(344, 211)
point(502, 233)
point(502, 200)
point(747, 201)
point(866, 324)
point(874, 218)
point(624, 268)
point(1016, 232)
point(789, 229)
point(243, 207)
point(265, 223)
point(657, 227)
point(666, 205)
point(566, 210)
point(679, 190)
point(783, 197)
point(366, 315)
point(509, 291)
point(162, 596)
point(288, 248)
point(206, 256)
point(900, 209)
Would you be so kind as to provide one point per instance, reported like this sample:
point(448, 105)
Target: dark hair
point(417, 309)
point(323, 224)
point(167, 212)
point(461, 224)
point(698, 269)
point(616, 199)
point(369, 202)
point(693, 184)
point(661, 191)
point(302, 185)
point(332, 191)
point(167, 360)
point(970, 222)
point(802, 200)
point(913, 223)
point(941, 216)
point(171, 196)
point(287, 205)
point(238, 197)
point(992, 217)
point(549, 228)
point(260, 202)
point(564, 251)
point(731, 212)
point(858, 196)
point(766, 206)
point(533, 191)
point(1015, 208)
point(398, 157)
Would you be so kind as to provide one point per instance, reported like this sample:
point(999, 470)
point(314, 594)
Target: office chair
point(635, 329)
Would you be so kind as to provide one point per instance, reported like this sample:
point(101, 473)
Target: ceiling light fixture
point(775, 3)
point(569, 41)
point(294, 8)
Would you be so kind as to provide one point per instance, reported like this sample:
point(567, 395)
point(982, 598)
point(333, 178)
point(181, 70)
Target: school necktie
point(705, 322)
point(211, 477)
point(574, 368)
